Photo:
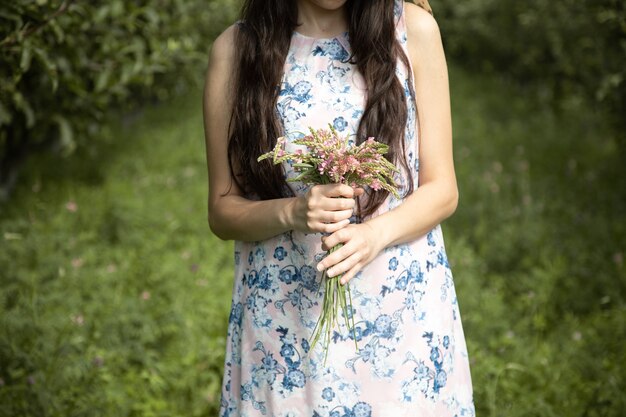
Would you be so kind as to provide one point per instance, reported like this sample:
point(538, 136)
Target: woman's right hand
point(324, 208)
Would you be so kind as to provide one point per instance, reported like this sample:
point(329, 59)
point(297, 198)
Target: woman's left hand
point(361, 244)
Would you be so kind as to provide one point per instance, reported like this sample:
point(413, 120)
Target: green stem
point(335, 300)
point(352, 317)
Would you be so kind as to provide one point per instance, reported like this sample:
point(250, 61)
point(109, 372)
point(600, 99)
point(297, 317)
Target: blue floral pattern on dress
point(411, 352)
point(332, 49)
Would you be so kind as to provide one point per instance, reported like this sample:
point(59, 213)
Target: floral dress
point(412, 358)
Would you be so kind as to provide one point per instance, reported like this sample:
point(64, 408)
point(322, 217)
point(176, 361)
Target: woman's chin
point(327, 4)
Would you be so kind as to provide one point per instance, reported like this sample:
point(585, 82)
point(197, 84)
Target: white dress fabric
point(412, 359)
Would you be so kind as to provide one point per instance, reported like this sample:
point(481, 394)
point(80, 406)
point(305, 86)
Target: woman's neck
point(321, 22)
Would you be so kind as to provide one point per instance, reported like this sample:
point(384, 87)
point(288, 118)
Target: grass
point(114, 295)
point(538, 248)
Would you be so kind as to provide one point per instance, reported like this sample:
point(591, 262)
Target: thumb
point(358, 191)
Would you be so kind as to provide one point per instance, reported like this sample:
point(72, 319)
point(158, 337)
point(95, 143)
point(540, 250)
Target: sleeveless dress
point(412, 359)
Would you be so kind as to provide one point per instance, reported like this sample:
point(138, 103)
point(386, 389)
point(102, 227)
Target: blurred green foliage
point(568, 50)
point(65, 63)
point(538, 247)
point(114, 295)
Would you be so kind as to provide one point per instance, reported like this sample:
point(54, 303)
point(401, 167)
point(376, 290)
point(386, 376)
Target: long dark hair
point(262, 42)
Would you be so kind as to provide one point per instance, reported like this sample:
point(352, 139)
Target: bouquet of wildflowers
point(330, 159)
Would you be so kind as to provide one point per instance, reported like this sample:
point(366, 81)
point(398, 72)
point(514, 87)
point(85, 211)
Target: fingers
point(335, 204)
point(335, 216)
point(357, 250)
point(332, 258)
point(350, 274)
point(328, 221)
point(330, 206)
point(330, 227)
point(344, 261)
point(320, 197)
point(334, 239)
point(338, 190)
point(344, 266)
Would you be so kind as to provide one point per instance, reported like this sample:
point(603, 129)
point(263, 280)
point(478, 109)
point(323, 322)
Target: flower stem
point(335, 300)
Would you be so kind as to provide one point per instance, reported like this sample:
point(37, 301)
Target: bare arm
point(437, 195)
point(232, 216)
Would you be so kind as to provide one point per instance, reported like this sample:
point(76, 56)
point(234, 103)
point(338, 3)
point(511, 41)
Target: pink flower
point(71, 206)
point(78, 319)
point(334, 159)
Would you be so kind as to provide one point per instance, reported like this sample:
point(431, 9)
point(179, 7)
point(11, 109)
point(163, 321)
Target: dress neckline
point(314, 39)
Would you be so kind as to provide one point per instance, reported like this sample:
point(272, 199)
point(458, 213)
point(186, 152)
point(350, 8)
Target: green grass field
point(114, 294)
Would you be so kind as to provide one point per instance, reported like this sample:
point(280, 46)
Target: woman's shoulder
point(424, 41)
point(420, 24)
point(221, 64)
point(223, 47)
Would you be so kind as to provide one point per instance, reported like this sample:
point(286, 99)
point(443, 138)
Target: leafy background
point(114, 294)
point(65, 64)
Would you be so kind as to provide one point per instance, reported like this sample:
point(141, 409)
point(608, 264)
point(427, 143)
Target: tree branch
point(28, 31)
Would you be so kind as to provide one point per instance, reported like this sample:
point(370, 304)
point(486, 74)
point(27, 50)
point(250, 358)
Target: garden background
point(115, 296)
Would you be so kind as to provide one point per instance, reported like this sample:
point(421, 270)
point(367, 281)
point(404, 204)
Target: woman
point(369, 68)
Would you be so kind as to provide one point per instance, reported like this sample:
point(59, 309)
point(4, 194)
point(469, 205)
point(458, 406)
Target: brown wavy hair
point(262, 42)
